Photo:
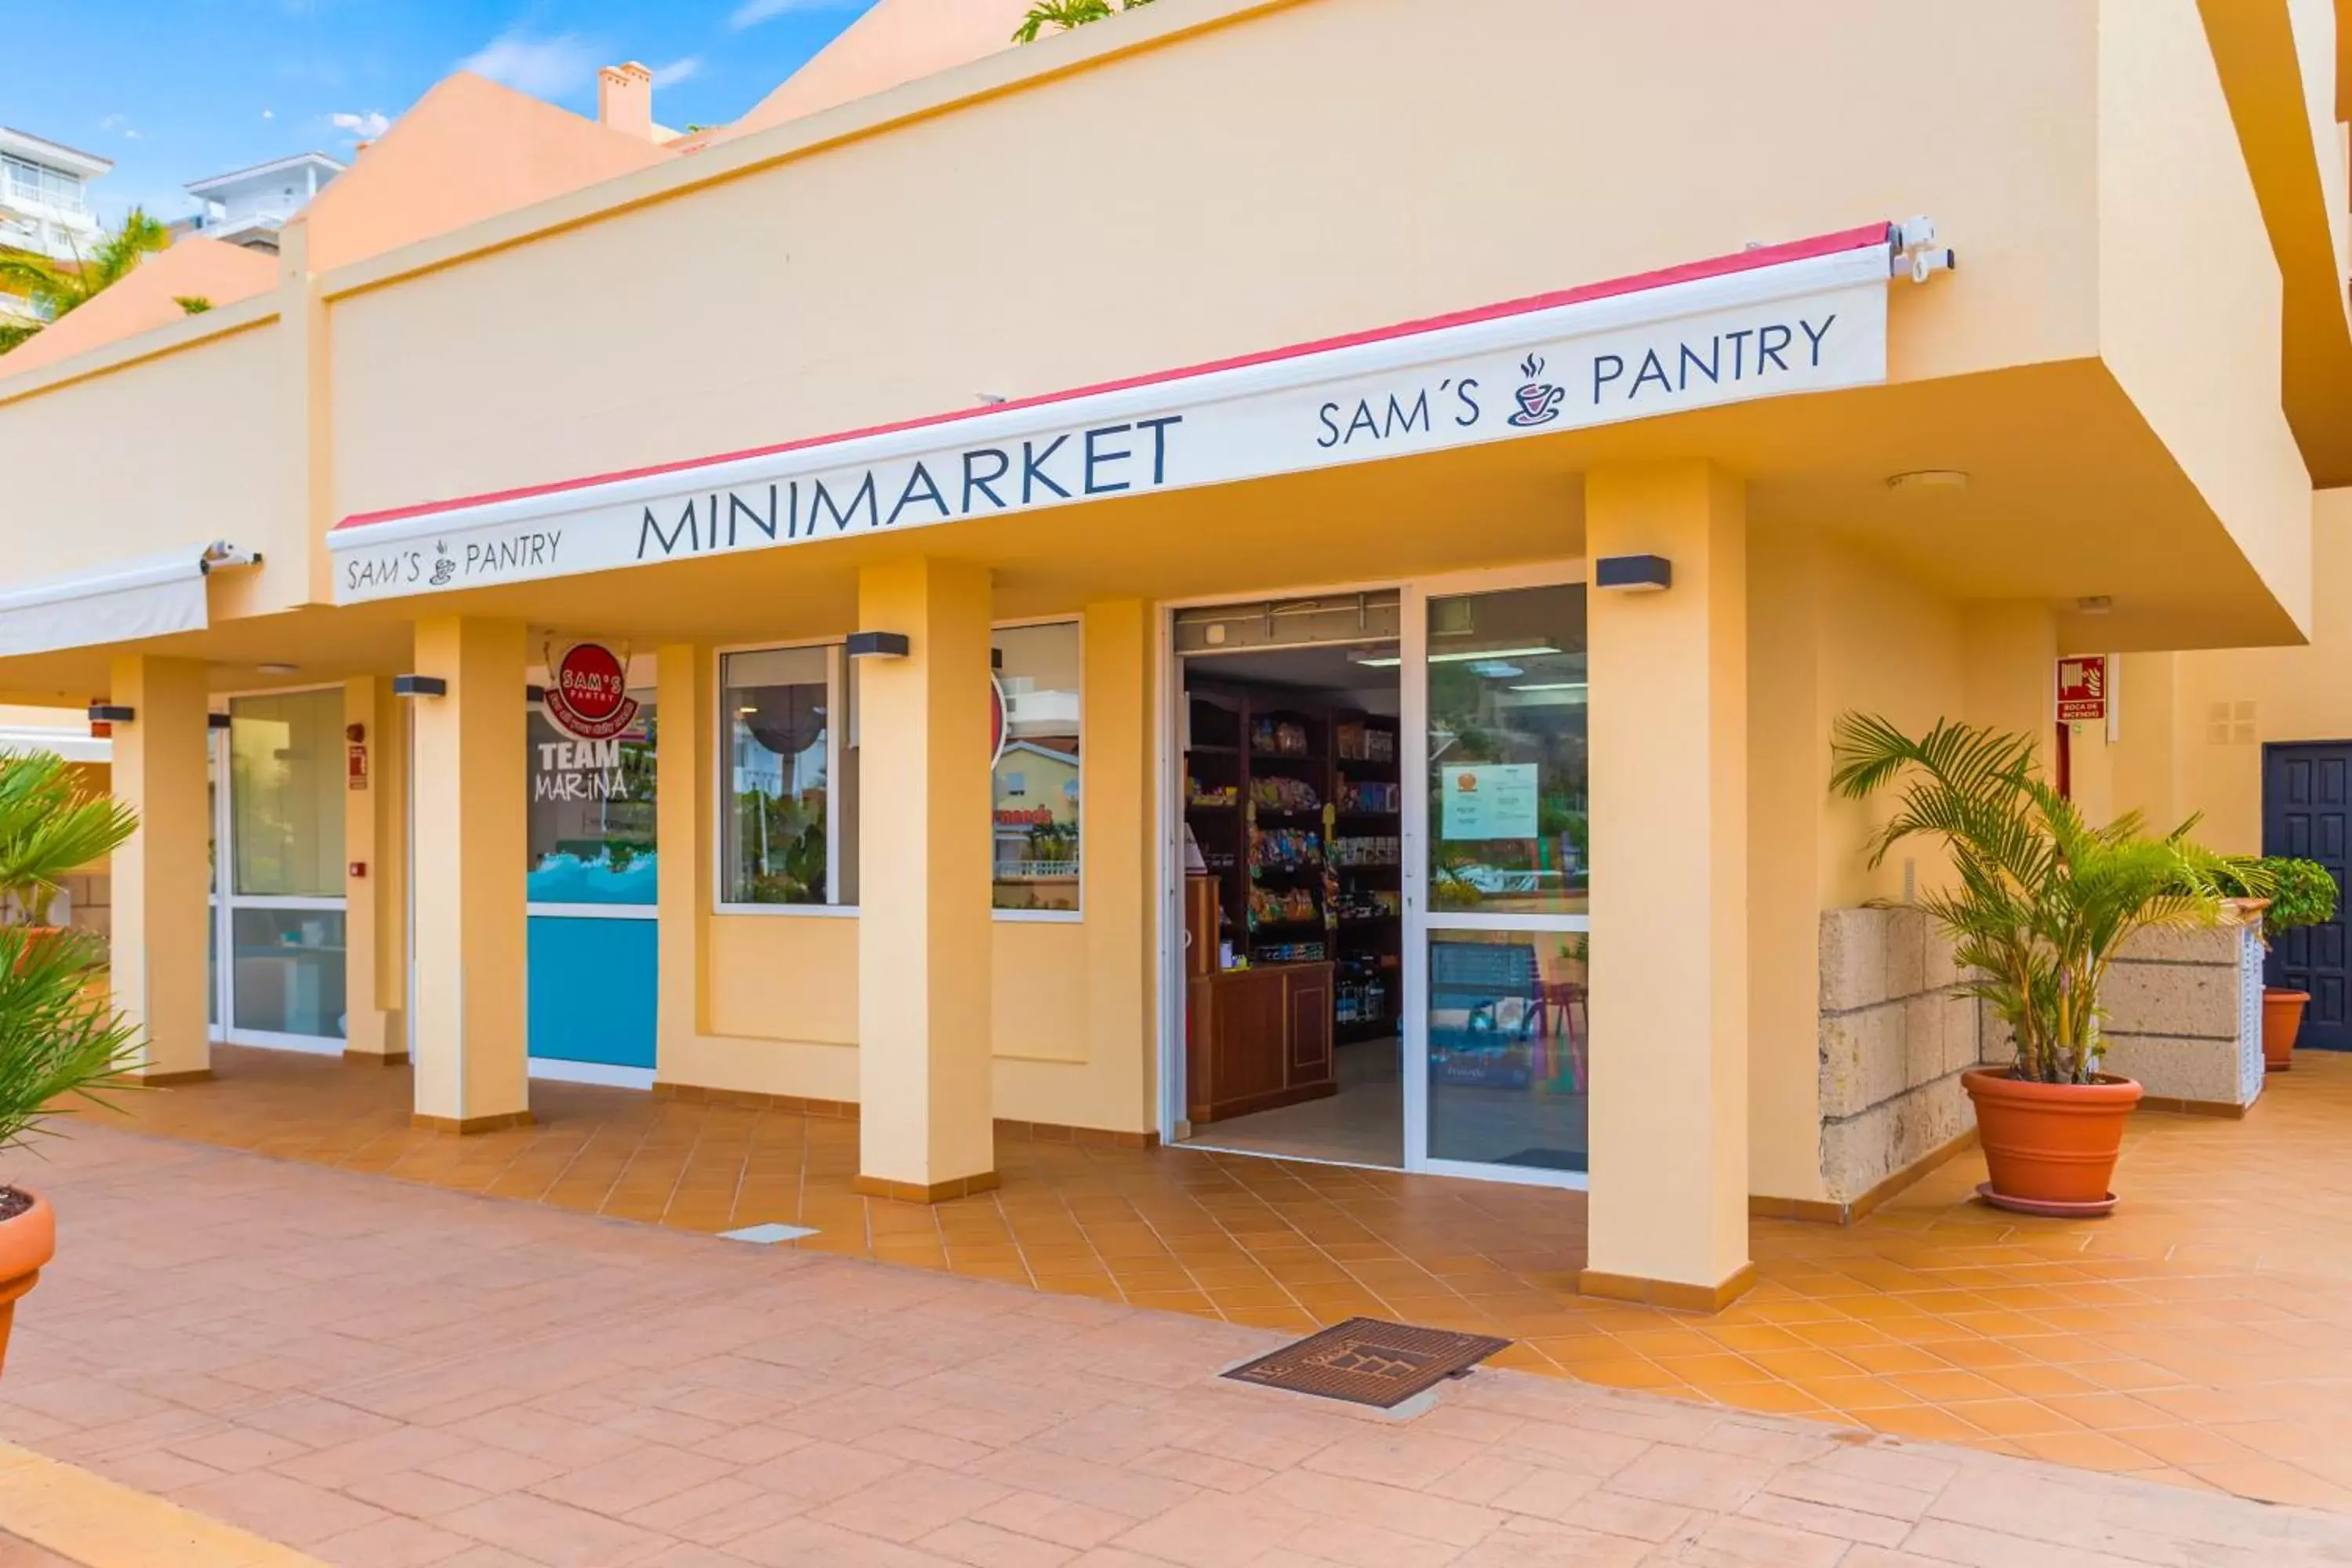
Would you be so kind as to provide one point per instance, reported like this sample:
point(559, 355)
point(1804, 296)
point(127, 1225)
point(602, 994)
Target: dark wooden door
point(2306, 801)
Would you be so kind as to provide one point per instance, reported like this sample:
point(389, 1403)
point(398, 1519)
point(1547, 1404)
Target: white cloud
point(120, 126)
point(751, 13)
point(367, 127)
point(676, 71)
point(268, 114)
point(544, 68)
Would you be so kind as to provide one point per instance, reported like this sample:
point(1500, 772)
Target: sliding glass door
point(1497, 882)
point(277, 937)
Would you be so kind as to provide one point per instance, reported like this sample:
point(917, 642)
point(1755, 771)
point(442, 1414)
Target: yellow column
point(159, 878)
point(1668, 725)
point(469, 774)
point(926, 1117)
point(687, 750)
point(1115, 818)
point(374, 915)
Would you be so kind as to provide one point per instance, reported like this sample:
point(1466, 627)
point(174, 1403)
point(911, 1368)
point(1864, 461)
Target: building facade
point(248, 206)
point(1340, 601)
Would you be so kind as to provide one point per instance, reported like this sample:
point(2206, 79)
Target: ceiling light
point(1463, 655)
point(1929, 479)
point(277, 668)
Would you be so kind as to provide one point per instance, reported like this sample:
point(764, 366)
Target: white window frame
point(836, 686)
point(223, 901)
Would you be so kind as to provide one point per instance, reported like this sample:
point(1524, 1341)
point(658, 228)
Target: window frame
point(836, 683)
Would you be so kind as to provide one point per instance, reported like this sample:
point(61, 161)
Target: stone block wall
point(1895, 1035)
point(2185, 1015)
point(89, 904)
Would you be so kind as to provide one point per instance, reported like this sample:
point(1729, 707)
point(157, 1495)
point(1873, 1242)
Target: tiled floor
point(386, 1375)
point(2200, 1336)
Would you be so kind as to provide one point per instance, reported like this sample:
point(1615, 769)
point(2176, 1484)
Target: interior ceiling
point(2070, 495)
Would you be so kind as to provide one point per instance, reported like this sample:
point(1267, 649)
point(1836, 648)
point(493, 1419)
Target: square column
point(375, 895)
point(161, 877)
point(1668, 726)
point(926, 1117)
point(469, 825)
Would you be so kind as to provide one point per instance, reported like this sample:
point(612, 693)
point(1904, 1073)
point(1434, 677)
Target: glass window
point(286, 792)
point(789, 837)
point(1508, 1032)
point(1037, 771)
point(591, 818)
point(289, 975)
point(1508, 791)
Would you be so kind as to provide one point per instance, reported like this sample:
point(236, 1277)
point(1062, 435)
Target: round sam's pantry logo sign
point(588, 691)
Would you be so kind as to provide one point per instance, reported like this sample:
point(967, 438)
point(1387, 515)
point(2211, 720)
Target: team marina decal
point(1747, 328)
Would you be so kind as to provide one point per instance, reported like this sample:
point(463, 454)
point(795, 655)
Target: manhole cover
point(1367, 1362)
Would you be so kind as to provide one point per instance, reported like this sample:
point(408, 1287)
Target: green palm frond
point(50, 828)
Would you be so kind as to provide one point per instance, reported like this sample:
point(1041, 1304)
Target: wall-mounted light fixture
point(419, 686)
point(878, 645)
point(534, 695)
point(216, 721)
point(1633, 573)
point(111, 713)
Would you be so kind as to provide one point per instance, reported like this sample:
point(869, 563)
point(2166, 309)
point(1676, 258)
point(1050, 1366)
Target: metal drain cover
point(1367, 1362)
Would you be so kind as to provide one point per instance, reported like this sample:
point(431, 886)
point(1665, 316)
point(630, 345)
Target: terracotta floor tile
point(2203, 1307)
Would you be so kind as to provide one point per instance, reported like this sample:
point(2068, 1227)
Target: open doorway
point(1293, 861)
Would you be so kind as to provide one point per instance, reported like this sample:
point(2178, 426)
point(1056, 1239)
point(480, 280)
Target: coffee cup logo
point(1539, 400)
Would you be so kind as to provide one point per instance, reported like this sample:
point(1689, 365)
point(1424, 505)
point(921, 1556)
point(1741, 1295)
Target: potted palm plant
point(2040, 904)
point(60, 1039)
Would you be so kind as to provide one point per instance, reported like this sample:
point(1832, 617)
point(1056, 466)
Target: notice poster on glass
point(1488, 800)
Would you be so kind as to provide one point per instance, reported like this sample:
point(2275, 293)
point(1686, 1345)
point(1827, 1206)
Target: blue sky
point(174, 90)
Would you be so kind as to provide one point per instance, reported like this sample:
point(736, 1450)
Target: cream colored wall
point(767, 1003)
point(525, 386)
point(2188, 288)
point(165, 454)
point(1830, 629)
point(2194, 724)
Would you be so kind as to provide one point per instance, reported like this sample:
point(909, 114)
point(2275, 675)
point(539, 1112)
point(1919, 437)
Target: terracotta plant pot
point(28, 1241)
point(2050, 1148)
point(2282, 1021)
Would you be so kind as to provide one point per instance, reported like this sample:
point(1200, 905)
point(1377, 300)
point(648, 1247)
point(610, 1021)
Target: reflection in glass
point(288, 974)
point(1508, 793)
point(1036, 788)
point(593, 812)
point(779, 703)
point(1508, 1049)
point(286, 792)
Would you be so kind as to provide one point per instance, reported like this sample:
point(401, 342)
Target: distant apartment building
point(249, 206)
point(44, 205)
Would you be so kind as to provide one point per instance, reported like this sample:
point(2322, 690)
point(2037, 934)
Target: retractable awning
point(1808, 316)
point(149, 598)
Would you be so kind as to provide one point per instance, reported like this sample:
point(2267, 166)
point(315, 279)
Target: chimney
point(624, 100)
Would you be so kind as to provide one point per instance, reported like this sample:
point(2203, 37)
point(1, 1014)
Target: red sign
point(2083, 688)
point(588, 692)
point(356, 764)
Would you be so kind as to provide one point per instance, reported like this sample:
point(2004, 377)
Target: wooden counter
point(1257, 1038)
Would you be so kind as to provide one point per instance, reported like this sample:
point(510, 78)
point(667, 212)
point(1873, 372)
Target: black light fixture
point(419, 686)
point(1633, 573)
point(534, 695)
point(216, 721)
point(111, 713)
point(878, 645)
